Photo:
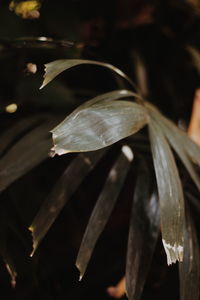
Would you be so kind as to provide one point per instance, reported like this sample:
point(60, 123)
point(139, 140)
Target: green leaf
point(27, 153)
point(180, 142)
point(95, 126)
point(10, 135)
point(189, 269)
point(56, 67)
point(143, 234)
point(170, 194)
point(61, 193)
point(103, 207)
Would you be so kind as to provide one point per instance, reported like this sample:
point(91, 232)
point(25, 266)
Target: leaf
point(181, 143)
point(103, 207)
point(143, 234)
point(10, 135)
point(27, 153)
point(11, 271)
point(98, 125)
point(56, 67)
point(170, 195)
point(189, 269)
point(61, 193)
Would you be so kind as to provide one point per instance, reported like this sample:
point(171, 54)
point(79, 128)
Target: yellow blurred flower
point(26, 9)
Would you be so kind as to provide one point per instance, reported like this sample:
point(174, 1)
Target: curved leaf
point(103, 207)
point(56, 67)
point(98, 125)
point(170, 195)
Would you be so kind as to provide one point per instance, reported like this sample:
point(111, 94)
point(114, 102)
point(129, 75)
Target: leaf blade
point(60, 194)
point(189, 269)
point(103, 208)
point(97, 126)
point(180, 141)
point(143, 234)
point(56, 67)
point(170, 195)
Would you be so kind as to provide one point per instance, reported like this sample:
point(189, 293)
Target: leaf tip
point(35, 244)
point(80, 272)
point(13, 275)
point(174, 253)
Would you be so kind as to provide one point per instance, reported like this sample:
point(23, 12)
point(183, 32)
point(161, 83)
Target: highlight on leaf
point(98, 125)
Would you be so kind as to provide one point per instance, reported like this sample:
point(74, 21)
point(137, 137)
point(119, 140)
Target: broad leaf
point(189, 269)
point(103, 207)
point(98, 125)
point(143, 234)
point(170, 194)
point(61, 193)
point(56, 67)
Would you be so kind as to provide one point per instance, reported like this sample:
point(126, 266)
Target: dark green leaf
point(27, 153)
point(56, 67)
point(12, 134)
point(143, 234)
point(170, 194)
point(189, 269)
point(179, 141)
point(103, 207)
point(98, 125)
point(61, 193)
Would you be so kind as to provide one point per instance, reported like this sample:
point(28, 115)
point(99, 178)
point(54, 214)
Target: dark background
point(109, 31)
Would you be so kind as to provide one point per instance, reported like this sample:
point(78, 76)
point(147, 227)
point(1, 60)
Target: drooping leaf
point(56, 67)
point(189, 269)
point(170, 194)
point(98, 125)
point(180, 142)
point(9, 136)
point(61, 193)
point(103, 207)
point(27, 153)
point(143, 234)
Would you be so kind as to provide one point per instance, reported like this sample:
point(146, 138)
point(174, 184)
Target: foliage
point(130, 134)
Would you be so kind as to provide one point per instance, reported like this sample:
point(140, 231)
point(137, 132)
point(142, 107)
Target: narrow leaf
point(61, 193)
point(170, 195)
point(12, 272)
point(27, 153)
point(98, 125)
point(143, 234)
point(56, 67)
point(181, 143)
point(189, 269)
point(20, 128)
point(103, 207)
